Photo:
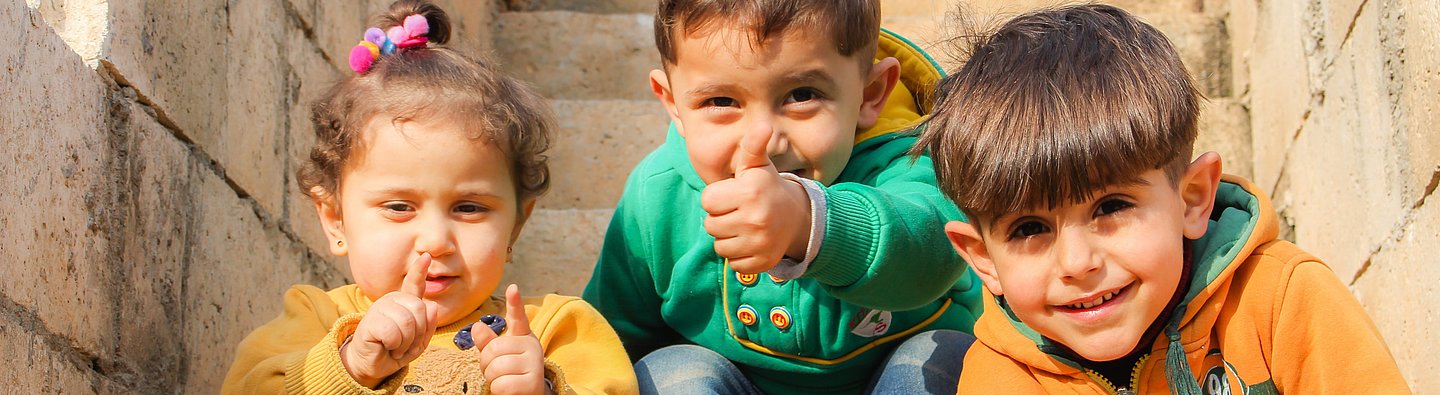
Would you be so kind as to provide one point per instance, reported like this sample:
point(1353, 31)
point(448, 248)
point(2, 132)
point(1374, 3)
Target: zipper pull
point(1125, 391)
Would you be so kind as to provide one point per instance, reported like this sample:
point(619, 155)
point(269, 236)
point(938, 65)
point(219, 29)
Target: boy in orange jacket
point(1115, 263)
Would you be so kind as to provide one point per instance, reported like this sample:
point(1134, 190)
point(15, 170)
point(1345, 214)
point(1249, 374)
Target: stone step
point(557, 251)
point(597, 144)
point(593, 6)
point(575, 56)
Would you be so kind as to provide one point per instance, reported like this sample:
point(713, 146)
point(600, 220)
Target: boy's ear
point(328, 209)
point(1197, 188)
point(526, 208)
point(968, 243)
point(660, 86)
point(878, 84)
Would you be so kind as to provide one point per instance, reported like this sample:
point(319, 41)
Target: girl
point(426, 166)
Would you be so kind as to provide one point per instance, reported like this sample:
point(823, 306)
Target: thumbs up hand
point(514, 362)
point(395, 330)
point(757, 217)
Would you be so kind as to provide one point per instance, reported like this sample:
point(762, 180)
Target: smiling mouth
point(1096, 302)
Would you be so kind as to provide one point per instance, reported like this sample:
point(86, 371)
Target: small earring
point(339, 243)
point(509, 250)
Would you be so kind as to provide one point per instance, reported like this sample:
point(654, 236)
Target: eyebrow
point(810, 77)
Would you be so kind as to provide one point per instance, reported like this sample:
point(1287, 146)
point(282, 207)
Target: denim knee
point(929, 362)
point(689, 369)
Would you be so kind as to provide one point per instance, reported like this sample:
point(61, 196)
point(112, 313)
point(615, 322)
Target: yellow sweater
point(298, 352)
point(1261, 317)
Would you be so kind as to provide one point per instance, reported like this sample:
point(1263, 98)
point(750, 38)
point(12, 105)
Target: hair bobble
point(410, 34)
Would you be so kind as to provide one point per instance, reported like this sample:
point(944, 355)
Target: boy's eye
point(720, 102)
point(1111, 206)
point(802, 95)
point(1028, 229)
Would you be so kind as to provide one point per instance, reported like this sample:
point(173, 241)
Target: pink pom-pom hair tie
point(410, 34)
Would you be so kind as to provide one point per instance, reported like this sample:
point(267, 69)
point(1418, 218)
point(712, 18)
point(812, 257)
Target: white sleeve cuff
point(789, 268)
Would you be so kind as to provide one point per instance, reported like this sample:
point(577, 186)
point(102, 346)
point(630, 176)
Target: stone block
point(1240, 26)
point(1399, 273)
point(572, 56)
point(334, 26)
point(557, 251)
point(1280, 88)
point(1203, 44)
point(239, 268)
point(1225, 129)
point(82, 25)
point(311, 75)
point(152, 198)
point(1346, 187)
point(597, 144)
point(34, 364)
point(1408, 32)
point(221, 88)
point(57, 164)
point(591, 6)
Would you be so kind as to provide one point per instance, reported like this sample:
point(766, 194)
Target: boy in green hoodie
point(1118, 264)
point(781, 239)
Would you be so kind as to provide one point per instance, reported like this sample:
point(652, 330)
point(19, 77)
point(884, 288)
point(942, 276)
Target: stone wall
point(150, 148)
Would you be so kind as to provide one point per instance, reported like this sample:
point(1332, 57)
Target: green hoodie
point(884, 272)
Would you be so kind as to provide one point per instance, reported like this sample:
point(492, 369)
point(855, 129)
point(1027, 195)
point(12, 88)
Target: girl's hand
point(395, 331)
point(513, 362)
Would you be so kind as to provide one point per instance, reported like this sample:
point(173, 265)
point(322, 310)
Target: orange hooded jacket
point(1260, 317)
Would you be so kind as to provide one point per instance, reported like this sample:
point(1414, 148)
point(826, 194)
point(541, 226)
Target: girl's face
point(422, 186)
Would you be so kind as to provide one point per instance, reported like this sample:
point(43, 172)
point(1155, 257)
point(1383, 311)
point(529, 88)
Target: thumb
point(519, 323)
point(754, 151)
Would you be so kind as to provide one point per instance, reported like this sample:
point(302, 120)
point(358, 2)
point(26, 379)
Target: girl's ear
point(1197, 188)
point(879, 83)
point(526, 208)
point(328, 208)
point(968, 243)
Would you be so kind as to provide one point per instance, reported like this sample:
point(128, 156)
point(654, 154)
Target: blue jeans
point(929, 362)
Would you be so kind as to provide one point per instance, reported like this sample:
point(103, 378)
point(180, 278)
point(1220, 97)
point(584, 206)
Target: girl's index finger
point(414, 282)
point(519, 323)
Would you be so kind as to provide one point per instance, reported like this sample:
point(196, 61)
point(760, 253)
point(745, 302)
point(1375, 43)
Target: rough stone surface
point(1280, 93)
point(597, 144)
point(56, 164)
point(557, 251)
point(36, 363)
point(573, 56)
point(1347, 155)
point(311, 75)
point(239, 269)
point(1398, 290)
point(1225, 129)
point(591, 6)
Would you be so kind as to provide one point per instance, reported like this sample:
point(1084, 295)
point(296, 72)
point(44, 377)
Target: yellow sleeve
point(1324, 341)
point(298, 352)
point(583, 355)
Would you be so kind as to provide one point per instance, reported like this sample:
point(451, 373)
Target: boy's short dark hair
point(1056, 105)
point(854, 25)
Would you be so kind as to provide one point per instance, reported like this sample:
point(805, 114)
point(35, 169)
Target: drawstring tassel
point(1182, 380)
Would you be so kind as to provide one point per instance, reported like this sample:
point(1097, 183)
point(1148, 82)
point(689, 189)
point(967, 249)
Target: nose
point(434, 234)
point(779, 141)
point(1078, 257)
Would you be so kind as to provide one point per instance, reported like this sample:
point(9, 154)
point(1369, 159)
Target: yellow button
point(780, 317)
point(747, 279)
point(746, 314)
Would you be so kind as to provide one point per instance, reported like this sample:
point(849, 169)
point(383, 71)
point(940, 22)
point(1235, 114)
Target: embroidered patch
point(872, 323)
point(1215, 382)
